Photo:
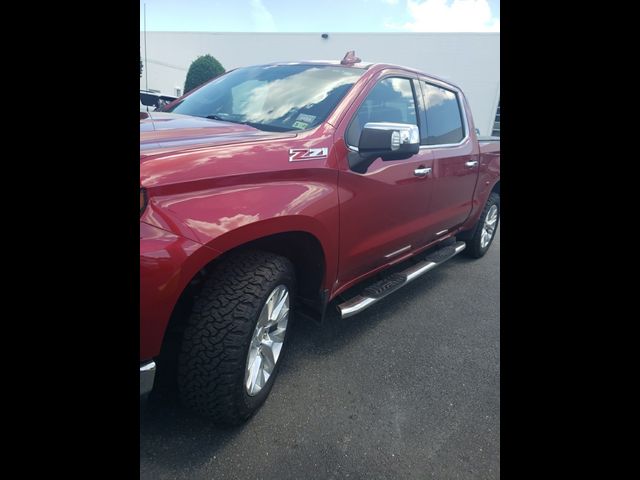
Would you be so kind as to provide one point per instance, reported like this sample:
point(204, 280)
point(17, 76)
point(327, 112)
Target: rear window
point(444, 118)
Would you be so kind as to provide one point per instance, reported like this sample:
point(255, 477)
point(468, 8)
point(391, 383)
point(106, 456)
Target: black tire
point(211, 366)
point(473, 237)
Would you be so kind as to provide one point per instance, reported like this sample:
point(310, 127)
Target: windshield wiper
point(259, 126)
point(217, 117)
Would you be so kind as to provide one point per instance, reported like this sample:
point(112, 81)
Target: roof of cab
point(362, 66)
point(335, 63)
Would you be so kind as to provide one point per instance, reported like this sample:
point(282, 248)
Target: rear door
point(455, 156)
point(383, 209)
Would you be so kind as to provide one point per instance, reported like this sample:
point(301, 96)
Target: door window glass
point(444, 120)
point(391, 100)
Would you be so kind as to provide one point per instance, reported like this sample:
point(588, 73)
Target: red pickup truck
point(274, 189)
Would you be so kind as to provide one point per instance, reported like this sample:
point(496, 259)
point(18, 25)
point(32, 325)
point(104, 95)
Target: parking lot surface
point(408, 389)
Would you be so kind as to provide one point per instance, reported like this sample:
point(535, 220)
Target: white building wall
point(470, 60)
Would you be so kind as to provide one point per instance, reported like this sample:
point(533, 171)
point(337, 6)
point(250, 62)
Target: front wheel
point(484, 232)
point(236, 335)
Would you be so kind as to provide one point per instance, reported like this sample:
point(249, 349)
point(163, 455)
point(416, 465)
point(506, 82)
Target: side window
point(444, 118)
point(391, 100)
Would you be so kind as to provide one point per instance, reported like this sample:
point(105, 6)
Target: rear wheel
point(236, 335)
point(480, 238)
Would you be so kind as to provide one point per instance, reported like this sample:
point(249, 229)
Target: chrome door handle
point(422, 171)
point(472, 164)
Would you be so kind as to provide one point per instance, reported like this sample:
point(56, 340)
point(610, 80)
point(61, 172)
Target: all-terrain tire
point(213, 356)
point(473, 238)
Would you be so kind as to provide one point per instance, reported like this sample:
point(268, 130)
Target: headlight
point(143, 200)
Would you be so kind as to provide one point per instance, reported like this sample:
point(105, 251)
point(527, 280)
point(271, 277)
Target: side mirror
point(149, 99)
point(391, 141)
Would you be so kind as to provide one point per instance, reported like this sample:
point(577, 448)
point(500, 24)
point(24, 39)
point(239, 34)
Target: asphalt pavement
point(408, 389)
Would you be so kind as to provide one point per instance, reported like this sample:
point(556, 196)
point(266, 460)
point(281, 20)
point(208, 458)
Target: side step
point(376, 292)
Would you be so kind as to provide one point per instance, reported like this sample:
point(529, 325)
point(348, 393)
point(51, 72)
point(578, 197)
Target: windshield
point(276, 98)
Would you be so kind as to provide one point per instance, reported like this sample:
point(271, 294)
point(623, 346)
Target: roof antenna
point(350, 58)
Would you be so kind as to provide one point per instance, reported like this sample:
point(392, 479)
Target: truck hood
point(175, 149)
point(162, 133)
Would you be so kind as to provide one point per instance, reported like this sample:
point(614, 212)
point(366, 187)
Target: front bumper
point(147, 376)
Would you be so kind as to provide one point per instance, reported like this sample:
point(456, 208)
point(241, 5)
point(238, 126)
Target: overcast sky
point(322, 16)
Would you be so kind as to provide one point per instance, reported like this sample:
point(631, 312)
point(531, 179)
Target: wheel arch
point(304, 249)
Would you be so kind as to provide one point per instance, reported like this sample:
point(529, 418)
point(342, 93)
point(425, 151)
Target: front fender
point(227, 216)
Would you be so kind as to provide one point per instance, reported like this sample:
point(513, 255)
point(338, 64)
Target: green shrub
point(202, 70)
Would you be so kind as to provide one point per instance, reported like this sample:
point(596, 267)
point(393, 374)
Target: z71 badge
point(299, 154)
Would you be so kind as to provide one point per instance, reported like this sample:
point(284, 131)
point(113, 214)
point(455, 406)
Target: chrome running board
point(390, 284)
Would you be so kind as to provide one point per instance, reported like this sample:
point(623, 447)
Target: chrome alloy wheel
point(267, 340)
point(489, 227)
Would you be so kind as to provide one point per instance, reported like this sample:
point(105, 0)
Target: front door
point(383, 210)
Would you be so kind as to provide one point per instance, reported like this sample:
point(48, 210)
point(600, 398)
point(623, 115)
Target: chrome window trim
point(465, 122)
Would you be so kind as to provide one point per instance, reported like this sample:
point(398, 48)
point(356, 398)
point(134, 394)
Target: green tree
point(202, 70)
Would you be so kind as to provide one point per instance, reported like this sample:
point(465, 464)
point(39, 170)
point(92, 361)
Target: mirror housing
point(149, 99)
point(391, 141)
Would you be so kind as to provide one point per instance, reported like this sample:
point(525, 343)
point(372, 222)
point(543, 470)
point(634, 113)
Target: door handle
point(472, 164)
point(422, 171)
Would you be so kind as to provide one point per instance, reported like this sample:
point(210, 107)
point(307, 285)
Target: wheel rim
point(267, 340)
point(489, 227)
